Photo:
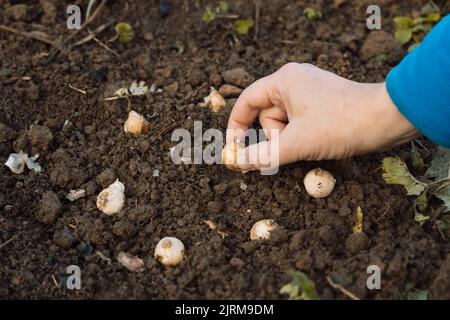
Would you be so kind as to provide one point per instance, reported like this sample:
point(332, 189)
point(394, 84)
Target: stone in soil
point(238, 77)
point(49, 208)
point(40, 138)
point(378, 42)
point(106, 178)
point(229, 91)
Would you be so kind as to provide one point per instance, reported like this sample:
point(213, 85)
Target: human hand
point(320, 115)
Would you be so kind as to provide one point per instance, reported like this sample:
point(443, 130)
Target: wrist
point(388, 126)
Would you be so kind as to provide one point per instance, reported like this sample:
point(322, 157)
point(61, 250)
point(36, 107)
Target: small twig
point(290, 42)
point(342, 289)
point(166, 128)
point(92, 34)
point(120, 97)
point(227, 16)
point(114, 98)
point(104, 46)
point(36, 35)
point(9, 241)
point(86, 23)
point(76, 89)
point(89, 8)
point(128, 103)
point(113, 39)
point(53, 53)
point(54, 281)
point(72, 226)
point(421, 145)
point(439, 184)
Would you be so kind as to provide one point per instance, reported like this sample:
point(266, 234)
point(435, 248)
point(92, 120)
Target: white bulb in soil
point(262, 229)
point(112, 199)
point(319, 183)
point(136, 124)
point(169, 251)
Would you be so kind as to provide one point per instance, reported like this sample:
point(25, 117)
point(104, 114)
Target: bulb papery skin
point(319, 183)
point(136, 124)
point(217, 101)
point(170, 251)
point(214, 101)
point(112, 199)
point(16, 163)
point(262, 229)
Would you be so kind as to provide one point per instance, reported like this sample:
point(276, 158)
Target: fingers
point(271, 125)
point(271, 153)
point(259, 95)
point(273, 118)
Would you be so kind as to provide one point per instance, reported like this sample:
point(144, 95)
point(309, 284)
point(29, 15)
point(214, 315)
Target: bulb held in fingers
point(230, 156)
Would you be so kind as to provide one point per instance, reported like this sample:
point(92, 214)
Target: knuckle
point(288, 67)
point(295, 69)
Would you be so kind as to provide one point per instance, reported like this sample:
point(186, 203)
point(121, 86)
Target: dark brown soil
point(81, 144)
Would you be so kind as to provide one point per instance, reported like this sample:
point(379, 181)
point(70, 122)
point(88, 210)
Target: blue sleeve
point(420, 85)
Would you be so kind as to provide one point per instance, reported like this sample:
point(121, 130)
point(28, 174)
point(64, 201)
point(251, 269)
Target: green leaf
point(416, 38)
point(300, 283)
point(416, 158)
point(403, 35)
point(404, 22)
point(208, 15)
point(427, 27)
point(422, 26)
point(422, 202)
point(417, 28)
point(312, 14)
point(291, 290)
point(421, 295)
point(395, 171)
point(432, 17)
point(415, 294)
point(440, 165)
point(418, 21)
point(243, 26)
point(124, 31)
